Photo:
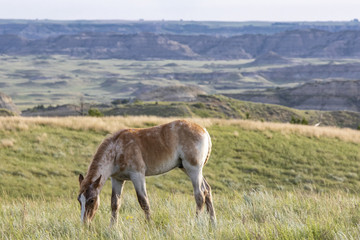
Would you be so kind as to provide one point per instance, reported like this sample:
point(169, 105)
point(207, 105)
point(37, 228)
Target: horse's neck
point(105, 171)
point(103, 165)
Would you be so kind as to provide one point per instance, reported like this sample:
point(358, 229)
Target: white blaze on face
point(82, 201)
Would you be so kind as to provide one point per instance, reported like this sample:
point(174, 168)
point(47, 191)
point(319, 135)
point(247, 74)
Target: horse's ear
point(97, 182)
point(81, 178)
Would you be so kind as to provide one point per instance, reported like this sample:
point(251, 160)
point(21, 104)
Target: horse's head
point(88, 198)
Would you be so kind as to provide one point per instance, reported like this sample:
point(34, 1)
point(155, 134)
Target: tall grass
point(111, 124)
point(269, 181)
point(45, 155)
point(245, 215)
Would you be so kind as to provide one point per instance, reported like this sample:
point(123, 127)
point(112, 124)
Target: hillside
point(306, 73)
point(171, 93)
point(56, 63)
point(270, 58)
point(307, 43)
point(270, 181)
point(327, 95)
point(56, 150)
point(37, 29)
point(58, 80)
point(205, 106)
point(5, 113)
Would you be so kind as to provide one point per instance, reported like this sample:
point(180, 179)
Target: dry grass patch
point(345, 134)
point(42, 137)
point(112, 124)
point(7, 143)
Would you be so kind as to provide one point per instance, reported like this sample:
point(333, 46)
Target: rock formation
point(328, 96)
point(7, 103)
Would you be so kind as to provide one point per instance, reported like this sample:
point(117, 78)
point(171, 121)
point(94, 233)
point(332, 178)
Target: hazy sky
point(224, 10)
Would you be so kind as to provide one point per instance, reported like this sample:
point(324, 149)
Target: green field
point(270, 181)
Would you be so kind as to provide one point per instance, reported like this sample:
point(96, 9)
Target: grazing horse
point(132, 154)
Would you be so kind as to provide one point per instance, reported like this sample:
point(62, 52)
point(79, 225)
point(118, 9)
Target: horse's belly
point(162, 166)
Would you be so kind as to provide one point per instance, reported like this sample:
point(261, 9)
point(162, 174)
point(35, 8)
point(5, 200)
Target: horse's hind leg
point(138, 180)
point(117, 188)
point(202, 191)
point(195, 174)
point(208, 200)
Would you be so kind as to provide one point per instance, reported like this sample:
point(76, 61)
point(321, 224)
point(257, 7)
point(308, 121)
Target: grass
point(218, 106)
point(111, 124)
point(224, 107)
point(5, 112)
point(243, 215)
point(270, 181)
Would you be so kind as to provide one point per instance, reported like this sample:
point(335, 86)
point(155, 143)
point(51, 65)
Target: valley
point(280, 100)
point(54, 68)
point(298, 83)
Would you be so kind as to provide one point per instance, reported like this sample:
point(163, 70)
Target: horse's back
point(166, 146)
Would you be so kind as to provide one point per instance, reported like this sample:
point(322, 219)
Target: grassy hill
point(269, 180)
point(218, 106)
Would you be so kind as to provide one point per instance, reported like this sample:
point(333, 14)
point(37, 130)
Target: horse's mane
point(94, 166)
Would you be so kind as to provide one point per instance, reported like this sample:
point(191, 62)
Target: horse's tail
point(209, 146)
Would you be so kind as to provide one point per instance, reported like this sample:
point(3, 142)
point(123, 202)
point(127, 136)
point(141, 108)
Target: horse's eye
point(91, 201)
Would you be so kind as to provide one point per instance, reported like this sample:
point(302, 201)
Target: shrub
point(304, 122)
point(94, 112)
point(39, 107)
point(120, 101)
point(138, 101)
point(295, 120)
point(199, 105)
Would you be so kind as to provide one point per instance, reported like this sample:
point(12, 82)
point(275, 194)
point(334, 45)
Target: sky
point(197, 10)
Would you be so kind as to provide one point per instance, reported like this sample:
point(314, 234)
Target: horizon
point(176, 20)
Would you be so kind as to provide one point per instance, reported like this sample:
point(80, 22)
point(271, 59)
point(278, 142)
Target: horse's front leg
point(138, 180)
point(117, 188)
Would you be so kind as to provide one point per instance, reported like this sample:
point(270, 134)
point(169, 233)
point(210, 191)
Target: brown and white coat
point(132, 154)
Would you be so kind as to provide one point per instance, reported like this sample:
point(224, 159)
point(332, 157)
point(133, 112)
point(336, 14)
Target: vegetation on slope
point(269, 181)
point(5, 112)
point(41, 160)
point(218, 106)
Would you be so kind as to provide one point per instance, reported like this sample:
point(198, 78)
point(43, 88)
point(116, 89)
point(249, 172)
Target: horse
point(133, 154)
